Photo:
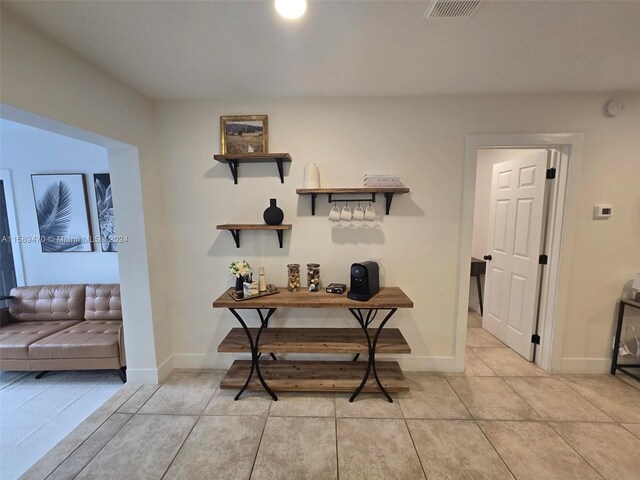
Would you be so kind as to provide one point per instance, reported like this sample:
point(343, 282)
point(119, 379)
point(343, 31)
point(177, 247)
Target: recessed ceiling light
point(291, 9)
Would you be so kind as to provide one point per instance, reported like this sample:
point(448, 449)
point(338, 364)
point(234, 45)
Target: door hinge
point(551, 173)
point(535, 339)
point(543, 259)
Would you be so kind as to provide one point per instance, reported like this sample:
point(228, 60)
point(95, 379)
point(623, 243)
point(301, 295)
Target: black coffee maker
point(365, 281)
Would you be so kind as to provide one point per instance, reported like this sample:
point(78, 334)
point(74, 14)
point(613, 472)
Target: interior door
point(515, 239)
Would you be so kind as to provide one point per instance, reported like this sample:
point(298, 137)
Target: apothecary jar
point(293, 282)
point(313, 277)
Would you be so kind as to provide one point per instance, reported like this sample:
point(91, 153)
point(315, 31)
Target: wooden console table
point(616, 343)
point(316, 376)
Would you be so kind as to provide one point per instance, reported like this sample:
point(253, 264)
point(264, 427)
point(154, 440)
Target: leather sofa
point(63, 327)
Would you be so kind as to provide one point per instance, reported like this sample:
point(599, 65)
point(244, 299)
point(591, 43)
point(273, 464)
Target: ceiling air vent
point(452, 8)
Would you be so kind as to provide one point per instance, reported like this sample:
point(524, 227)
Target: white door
point(515, 239)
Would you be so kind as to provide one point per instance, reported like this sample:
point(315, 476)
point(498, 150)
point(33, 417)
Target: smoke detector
point(452, 8)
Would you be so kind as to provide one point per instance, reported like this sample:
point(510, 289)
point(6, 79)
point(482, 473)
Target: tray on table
point(271, 290)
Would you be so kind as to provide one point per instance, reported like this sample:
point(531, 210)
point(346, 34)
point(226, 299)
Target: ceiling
point(184, 49)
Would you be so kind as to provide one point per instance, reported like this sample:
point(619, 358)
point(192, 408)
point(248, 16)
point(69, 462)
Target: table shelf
point(315, 340)
point(315, 376)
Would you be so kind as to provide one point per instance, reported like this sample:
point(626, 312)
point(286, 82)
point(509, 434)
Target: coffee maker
point(365, 281)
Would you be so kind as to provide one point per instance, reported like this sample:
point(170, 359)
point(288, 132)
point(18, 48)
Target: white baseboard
point(150, 376)
point(217, 360)
point(583, 365)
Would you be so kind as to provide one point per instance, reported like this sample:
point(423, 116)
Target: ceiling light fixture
point(291, 9)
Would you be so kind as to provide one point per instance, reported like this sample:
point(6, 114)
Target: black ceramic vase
point(273, 215)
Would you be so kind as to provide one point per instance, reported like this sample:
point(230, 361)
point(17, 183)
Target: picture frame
point(62, 211)
point(244, 134)
point(105, 212)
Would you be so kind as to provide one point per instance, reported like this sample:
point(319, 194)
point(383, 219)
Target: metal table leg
point(478, 284)
point(255, 352)
point(371, 363)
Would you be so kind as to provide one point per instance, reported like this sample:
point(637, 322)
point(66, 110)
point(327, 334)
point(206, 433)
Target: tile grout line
point(415, 449)
point(335, 422)
point(504, 462)
point(572, 448)
point(101, 448)
point(190, 430)
point(94, 431)
point(568, 385)
point(264, 427)
point(475, 420)
point(181, 445)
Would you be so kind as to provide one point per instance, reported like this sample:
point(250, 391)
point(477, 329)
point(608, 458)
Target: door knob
point(487, 257)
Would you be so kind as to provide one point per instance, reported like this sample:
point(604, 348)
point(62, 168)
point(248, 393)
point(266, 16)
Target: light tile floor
point(36, 414)
point(501, 418)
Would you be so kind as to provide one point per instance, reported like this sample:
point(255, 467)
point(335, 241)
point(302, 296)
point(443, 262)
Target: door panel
point(515, 226)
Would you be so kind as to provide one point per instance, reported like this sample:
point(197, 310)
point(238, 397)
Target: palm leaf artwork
point(106, 217)
point(53, 209)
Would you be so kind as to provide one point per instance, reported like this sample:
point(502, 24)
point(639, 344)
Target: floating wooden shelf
point(234, 160)
point(315, 376)
point(315, 340)
point(236, 228)
point(330, 192)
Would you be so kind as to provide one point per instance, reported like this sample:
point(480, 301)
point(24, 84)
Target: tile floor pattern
point(502, 418)
point(36, 414)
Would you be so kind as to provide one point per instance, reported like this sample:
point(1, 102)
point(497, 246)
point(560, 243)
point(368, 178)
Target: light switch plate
point(602, 210)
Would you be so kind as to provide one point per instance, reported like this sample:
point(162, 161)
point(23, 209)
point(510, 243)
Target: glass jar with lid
point(313, 277)
point(293, 275)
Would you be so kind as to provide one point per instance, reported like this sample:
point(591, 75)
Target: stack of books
point(381, 181)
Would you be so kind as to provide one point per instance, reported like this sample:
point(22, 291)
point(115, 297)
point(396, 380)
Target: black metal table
point(624, 302)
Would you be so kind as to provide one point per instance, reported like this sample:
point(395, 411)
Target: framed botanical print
point(104, 206)
point(244, 134)
point(62, 212)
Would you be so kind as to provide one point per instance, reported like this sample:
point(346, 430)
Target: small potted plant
point(242, 271)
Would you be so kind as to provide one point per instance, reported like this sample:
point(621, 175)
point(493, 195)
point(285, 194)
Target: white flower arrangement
point(240, 268)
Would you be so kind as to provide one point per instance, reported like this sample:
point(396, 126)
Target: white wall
point(26, 150)
point(487, 158)
point(68, 93)
point(421, 139)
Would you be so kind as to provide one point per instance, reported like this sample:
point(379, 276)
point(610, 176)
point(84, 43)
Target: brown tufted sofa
point(63, 327)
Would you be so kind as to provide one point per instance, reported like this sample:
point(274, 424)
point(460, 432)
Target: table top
point(630, 302)
point(388, 297)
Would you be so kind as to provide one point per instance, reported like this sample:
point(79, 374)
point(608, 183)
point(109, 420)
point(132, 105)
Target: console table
point(315, 376)
point(616, 345)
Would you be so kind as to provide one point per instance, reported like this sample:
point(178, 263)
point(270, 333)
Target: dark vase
point(273, 215)
point(239, 281)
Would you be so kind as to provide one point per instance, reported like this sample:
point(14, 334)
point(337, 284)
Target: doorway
point(509, 238)
point(517, 224)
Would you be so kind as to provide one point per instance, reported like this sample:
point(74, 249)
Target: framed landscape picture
point(62, 212)
point(104, 205)
point(244, 134)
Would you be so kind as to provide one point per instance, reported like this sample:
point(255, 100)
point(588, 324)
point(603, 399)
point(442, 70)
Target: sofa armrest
point(4, 316)
point(123, 358)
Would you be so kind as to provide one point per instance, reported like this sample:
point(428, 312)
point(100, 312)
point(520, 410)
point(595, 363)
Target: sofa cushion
point(15, 338)
point(103, 302)
point(40, 303)
point(90, 339)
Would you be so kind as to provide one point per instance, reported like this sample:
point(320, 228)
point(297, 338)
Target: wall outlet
point(377, 260)
point(602, 210)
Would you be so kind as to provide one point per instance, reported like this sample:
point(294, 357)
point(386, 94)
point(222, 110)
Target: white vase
point(311, 176)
